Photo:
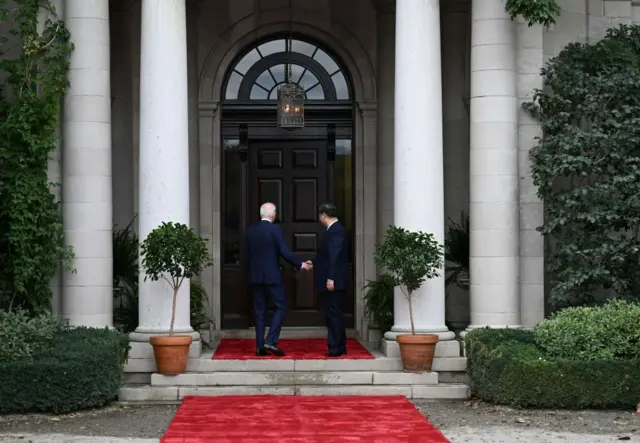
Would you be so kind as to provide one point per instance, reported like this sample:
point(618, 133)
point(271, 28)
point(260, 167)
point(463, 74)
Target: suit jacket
point(332, 259)
point(263, 246)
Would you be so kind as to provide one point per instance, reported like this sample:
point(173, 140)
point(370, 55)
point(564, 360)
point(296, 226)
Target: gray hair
point(267, 210)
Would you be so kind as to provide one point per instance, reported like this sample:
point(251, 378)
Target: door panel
point(295, 175)
point(292, 175)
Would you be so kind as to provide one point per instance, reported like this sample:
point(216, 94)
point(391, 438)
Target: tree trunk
point(410, 300)
point(173, 310)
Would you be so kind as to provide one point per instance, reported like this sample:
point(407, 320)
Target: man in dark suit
point(332, 277)
point(263, 247)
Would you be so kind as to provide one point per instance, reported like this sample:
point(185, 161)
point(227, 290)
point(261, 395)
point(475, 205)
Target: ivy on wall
point(587, 168)
point(33, 74)
point(541, 12)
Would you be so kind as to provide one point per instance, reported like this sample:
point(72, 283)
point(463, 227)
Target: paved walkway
point(461, 422)
point(463, 435)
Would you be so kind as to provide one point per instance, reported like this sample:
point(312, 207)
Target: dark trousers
point(334, 317)
point(261, 296)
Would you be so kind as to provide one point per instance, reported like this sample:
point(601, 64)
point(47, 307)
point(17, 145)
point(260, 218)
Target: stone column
point(418, 157)
point(193, 10)
point(635, 12)
point(54, 171)
point(86, 166)
point(493, 213)
point(385, 85)
point(530, 60)
point(164, 152)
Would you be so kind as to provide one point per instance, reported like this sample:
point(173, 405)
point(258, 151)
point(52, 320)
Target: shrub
point(378, 301)
point(410, 258)
point(506, 367)
point(81, 368)
point(592, 333)
point(173, 252)
point(586, 168)
point(22, 336)
point(125, 284)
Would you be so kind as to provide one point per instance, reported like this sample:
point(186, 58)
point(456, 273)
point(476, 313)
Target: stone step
point(326, 378)
point(171, 394)
point(206, 364)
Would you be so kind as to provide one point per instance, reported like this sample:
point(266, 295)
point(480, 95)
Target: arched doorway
point(295, 170)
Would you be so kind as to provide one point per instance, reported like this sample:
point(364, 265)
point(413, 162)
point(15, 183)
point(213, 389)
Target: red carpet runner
point(294, 419)
point(296, 349)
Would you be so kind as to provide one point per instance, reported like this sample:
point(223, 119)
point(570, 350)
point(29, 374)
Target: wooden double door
point(295, 175)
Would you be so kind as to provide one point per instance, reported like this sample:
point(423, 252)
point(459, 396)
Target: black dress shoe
point(261, 352)
point(275, 350)
point(335, 354)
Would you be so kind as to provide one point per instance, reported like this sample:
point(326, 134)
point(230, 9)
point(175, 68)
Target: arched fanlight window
point(259, 73)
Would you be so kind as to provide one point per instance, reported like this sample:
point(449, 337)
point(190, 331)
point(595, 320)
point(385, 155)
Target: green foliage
point(82, 368)
point(173, 252)
point(198, 302)
point(587, 168)
point(456, 253)
point(542, 12)
point(378, 301)
point(125, 284)
point(31, 235)
point(607, 332)
point(125, 277)
point(505, 367)
point(22, 336)
point(409, 258)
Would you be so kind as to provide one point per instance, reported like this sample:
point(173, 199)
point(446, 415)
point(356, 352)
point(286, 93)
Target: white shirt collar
point(331, 224)
point(265, 219)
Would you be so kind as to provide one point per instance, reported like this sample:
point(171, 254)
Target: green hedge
point(82, 368)
point(506, 367)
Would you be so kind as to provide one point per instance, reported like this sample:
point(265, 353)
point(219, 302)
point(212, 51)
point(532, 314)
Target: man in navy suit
point(264, 245)
point(331, 267)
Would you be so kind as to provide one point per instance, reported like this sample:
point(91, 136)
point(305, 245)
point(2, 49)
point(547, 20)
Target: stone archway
point(212, 74)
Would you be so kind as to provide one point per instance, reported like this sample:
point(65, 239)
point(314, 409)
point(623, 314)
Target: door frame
point(211, 129)
point(365, 121)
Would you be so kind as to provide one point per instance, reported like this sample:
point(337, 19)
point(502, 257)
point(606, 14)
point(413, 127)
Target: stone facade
point(141, 135)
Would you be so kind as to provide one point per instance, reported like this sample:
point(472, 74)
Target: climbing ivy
point(33, 73)
point(541, 12)
point(587, 168)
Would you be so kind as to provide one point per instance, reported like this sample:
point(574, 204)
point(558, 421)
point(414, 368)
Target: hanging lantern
point(290, 95)
point(290, 106)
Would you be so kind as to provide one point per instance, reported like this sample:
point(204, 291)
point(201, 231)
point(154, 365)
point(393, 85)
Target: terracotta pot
point(171, 353)
point(417, 351)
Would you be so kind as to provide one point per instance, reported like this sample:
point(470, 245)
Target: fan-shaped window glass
point(261, 71)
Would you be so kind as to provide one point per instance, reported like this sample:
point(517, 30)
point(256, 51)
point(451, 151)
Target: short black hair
point(328, 209)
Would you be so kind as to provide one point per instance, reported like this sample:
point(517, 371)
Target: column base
point(142, 349)
point(446, 347)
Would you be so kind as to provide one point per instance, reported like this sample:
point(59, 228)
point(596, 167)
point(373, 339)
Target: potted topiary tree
point(410, 258)
point(173, 252)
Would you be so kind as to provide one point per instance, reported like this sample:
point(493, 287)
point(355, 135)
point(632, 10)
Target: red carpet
point(296, 349)
point(294, 419)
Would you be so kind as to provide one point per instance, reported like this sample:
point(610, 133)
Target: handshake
point(307, 266)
